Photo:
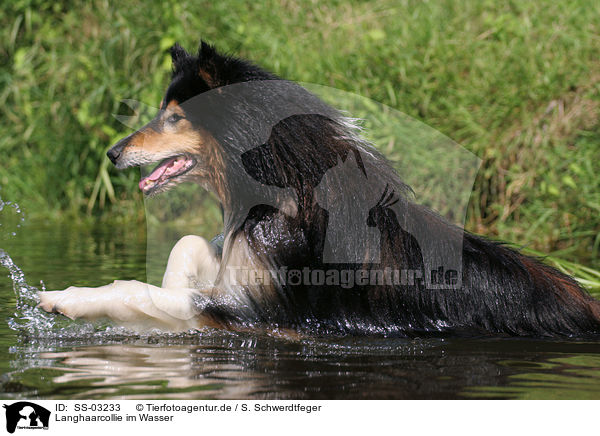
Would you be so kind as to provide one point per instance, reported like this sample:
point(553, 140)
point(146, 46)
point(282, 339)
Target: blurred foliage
point(517, 83)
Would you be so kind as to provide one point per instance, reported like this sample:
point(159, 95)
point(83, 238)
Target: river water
point(47, 356)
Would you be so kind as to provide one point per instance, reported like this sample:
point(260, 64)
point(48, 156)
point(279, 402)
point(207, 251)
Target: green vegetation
point(517, 83)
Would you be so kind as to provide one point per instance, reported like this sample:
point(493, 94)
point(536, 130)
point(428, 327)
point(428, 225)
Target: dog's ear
point(207, 64)
point(206, 52)
point(178, 54)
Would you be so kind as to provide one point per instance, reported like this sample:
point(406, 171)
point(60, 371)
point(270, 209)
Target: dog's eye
point(174, 118)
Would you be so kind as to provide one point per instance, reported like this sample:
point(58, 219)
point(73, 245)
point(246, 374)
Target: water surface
point(95, 362)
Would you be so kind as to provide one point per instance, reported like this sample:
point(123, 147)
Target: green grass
point(517, 83)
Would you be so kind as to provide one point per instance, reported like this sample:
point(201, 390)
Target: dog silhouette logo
point(26, 415)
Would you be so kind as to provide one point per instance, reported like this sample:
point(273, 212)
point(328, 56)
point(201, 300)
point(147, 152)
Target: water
point(47, 356)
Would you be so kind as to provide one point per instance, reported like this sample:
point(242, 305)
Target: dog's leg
point(128, 303)
point(193, 263)
point(192, 268)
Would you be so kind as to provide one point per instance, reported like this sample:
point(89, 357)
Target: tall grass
point(517, 83)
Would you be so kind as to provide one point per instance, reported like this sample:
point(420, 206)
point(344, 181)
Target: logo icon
point(26, 415)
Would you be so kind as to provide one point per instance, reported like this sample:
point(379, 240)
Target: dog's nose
point(115, 152)
point(113, 155)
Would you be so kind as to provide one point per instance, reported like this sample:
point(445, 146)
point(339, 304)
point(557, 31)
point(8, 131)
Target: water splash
point(27, 317)
point(17, 210)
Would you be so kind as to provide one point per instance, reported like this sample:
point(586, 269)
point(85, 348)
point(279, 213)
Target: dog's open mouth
point(165, 171)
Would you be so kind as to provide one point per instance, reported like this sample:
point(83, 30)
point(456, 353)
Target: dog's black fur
point(503, 292)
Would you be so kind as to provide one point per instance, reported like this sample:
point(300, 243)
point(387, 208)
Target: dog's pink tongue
point(156, 174)
point(167, 168)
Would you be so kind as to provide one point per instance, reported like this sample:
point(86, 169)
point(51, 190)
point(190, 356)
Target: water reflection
point(130, 371)
point(234, 366)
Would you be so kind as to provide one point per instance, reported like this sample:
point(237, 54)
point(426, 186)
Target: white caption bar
point(29, 417)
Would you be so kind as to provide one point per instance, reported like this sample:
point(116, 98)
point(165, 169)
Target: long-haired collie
point(320, 235)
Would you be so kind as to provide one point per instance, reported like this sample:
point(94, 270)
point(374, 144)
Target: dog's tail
point(567, 291)
point(522, 295)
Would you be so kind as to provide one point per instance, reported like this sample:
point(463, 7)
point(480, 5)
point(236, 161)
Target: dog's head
point(177, 138)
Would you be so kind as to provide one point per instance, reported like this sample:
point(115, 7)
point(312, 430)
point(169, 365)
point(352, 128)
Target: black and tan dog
point(207, 134)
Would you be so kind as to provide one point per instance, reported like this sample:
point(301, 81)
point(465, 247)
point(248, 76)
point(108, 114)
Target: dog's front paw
point(58, 302)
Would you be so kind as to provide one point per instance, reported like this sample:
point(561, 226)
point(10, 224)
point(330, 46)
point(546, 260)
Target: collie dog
point(322, 236)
